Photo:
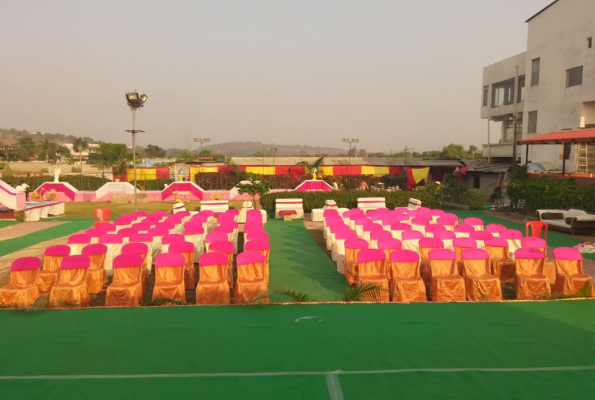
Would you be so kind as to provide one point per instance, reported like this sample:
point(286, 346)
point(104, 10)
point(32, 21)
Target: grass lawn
point(85, 210)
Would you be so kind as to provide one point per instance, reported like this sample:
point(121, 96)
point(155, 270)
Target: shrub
point(474, 198)
point(348, 198)
point(154, 184)
point(91, 183)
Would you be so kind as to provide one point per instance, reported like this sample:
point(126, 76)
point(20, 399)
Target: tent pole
point(527, 155)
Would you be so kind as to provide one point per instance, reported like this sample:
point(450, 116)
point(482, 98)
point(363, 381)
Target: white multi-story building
point(548, 88)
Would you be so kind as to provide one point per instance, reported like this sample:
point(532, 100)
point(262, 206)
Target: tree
point(312, 167)
point(25, 148)
point(186, 156)
point(362, 153)
point(254, 187)
point(473, 150)
point(453, 152)
point(110, 155)
point(63, 152)
point(154, 151)
point(352, 152)
point(47, 150)
point(78, 145)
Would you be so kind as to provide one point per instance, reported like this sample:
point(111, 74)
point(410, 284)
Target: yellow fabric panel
point(142, 174)
point(261, 170)
point(420, 173)
point(204, 170)
point(376, 171)
point(327, 171)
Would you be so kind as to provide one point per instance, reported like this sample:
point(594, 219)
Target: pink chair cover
point(257, 245)
point(128, 260)
point(356, 244)
point(96, 232)
point(497, 242)
point(216, 258)
point(511, 234)
point(462, 228)
point(216, 237)
point(141, 237)
point(495, 228)
point(172, 238)
point(135, 248)
point(481, 235)
point(473, 221)
point(408, 235)
point(160, 231)
point(435, 228)
point(447, 220)
point(111, 239)
point(533, 242)
point(380, 235)
point(171, 260)
point(430, 243)
point(25, 263)
point(444, 235)
point(250, 257)
point(442, 254)
point(193, 229)
point(182, 247)
point(370, 255)
point(567, 253)
point(94, 249)
point(223, 246)
point(475, 254)
point(390, 244)
point(59, 250)
point(400, 227)
point(528, 253)
point(127, 232)
point(259, 236)
point(79, 238)
point(404, 256)
point(464, 243)
point(346, 234)
point(75, 262)
point(421, 221)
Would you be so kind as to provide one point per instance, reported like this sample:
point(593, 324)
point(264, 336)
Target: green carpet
point(359, 351)
point(298, 264)
point(71, 226)
point(4, 224)
point(554, 239)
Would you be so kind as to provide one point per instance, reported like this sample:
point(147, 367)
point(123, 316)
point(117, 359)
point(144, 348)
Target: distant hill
point(249, 148)
point(10, 136)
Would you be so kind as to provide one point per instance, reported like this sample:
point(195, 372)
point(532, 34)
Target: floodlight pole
point(134, 131)
point(274, 150)
point(201, 141)
point(350, 141)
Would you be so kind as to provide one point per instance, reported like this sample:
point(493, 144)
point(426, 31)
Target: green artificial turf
point(70, 226)
point(376, 341)
point(6, 223)
point(298, 264)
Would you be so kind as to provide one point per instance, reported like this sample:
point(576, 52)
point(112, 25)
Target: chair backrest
point(390, 244)
point(141, 237)
point(25, 263)
point(423, 220)
point(442, 254)
point(464, 228)
point(444, 235)
point(79, 238)
point(250, 257)
point(128, 260)
point(172, 238)
point(194, 229)
point(127, 232)
point(473, 221)
point(435, 228)
point(476, 262)
point(356, 244)
point(370, 255)
point(529, 253)
point(111, 239)
point(475, 254)
point(511, 234)
point(481, 235)
point(496, 242)
point(408, 235)
point(224, 246)
point(94, 249)
point(171, 260)
point(404, 256)
point(464, 243)
point(182, 247)
point(432, 243)
point(495, 228)
point(135, 248)
point(447, 219)
point(102, 214)
point(535, 228)
point(257, 245)
point(400, 227)
point(534, 242)
point(567, 253)
point(59, 250)
point(75, 262)
point(380, 235)
point(216, 237)
point(258, 236)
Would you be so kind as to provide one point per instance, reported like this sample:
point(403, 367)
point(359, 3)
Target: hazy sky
point(310, 72)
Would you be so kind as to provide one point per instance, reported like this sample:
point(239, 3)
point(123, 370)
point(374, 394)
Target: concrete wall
point(37, 167)
point(499, 72)
point(558, 37)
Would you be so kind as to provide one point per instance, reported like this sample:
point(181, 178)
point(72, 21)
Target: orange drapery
point(531, 282)
point(446, 283)
point(570, 277)
point(48, 276)
point(22, 289)
point(407, 285)
point(126, 289)
point(373, 273)
point(480, 285)
point(213, 287)
point(250, 284)
point(71, 289)
point(97, 277)
point(169, 283)
point(501, 266)
point(189, 274)
point(351, 265)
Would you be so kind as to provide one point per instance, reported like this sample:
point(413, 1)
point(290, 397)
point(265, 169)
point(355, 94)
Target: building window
point(574, 76)
point(503, 93)
point(589, 42)
point(485, 96)
point(535, 65)
point(521, 89)
point(532, 125)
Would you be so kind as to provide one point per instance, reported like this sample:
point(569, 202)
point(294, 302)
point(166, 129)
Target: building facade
point(550, 87)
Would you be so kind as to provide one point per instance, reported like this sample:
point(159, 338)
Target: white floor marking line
point(334, 386)
point(296, 373)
